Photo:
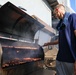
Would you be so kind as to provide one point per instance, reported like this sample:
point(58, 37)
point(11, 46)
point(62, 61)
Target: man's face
point(58, 13)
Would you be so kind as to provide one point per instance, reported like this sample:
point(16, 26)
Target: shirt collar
point(63, 21)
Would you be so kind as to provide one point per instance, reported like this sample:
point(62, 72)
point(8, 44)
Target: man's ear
point(56, 9)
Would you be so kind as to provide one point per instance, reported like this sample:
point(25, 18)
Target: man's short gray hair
point(59, 5)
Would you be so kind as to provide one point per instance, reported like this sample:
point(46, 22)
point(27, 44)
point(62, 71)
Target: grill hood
point(16, 22)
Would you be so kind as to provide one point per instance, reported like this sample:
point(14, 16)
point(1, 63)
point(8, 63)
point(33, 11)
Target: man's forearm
point(51, 43)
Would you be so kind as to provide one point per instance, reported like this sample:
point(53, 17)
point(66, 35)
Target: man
point(65, 61)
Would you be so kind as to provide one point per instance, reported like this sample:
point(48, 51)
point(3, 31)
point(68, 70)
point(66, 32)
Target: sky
point(73, 4)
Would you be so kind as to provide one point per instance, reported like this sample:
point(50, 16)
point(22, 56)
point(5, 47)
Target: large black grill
point(17, 30)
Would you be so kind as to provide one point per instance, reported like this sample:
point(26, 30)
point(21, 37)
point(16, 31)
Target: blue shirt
point(67, 39)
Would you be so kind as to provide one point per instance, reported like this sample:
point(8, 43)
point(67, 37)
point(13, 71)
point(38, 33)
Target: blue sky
point(73, 4)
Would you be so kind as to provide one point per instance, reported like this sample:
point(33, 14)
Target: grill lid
point(17, 23)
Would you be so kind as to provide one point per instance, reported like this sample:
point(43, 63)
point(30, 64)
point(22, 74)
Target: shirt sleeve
point(72, 20)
